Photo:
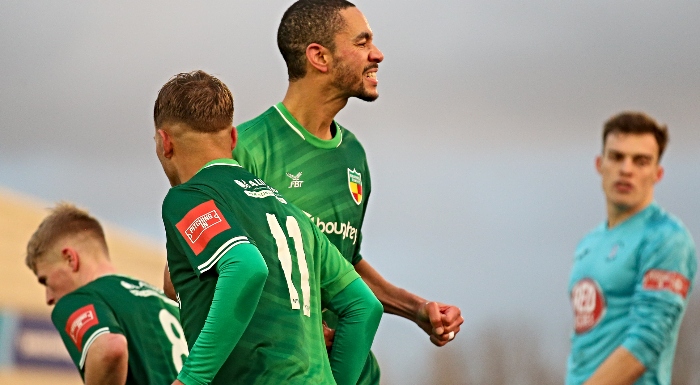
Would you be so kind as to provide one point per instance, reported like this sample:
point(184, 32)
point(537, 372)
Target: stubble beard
point(352, 84)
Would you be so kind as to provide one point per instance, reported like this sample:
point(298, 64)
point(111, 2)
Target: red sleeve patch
point(79, 322)
point(666, 280)
point(201, 224)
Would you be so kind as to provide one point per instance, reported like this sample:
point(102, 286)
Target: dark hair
point(197, 99)
point(631, 122)
point(307, 22)
point(64, 220)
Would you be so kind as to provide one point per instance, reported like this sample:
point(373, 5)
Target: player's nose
point(376, 55)
point(50, 299)
point(626, 166)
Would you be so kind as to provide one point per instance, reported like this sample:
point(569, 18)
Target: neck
point(196, 150)
point(96, 270)
point(618, 214)
point(187, 168)
point(314, 105)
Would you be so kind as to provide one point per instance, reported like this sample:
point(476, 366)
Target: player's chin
point(368, 96)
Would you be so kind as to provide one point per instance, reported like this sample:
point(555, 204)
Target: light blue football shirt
point(629, 287)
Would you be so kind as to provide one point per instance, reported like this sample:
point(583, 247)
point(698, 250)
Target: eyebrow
point(363, 35)
point(637, 155)
point(642, 156)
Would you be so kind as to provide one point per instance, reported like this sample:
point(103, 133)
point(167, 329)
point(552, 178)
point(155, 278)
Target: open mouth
point(371, 77)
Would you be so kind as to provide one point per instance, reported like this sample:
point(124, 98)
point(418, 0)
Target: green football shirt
point(222, 206)
point(328, 179)
point(135, 309)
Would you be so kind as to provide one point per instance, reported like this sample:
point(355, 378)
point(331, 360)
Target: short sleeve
point(356, 255)
point(336, 272)
point(80, 318)
point(202, 228)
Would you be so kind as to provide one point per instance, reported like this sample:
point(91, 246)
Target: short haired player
point(251, 272)
point(297, 147)
point(632, 274)
point(117, 329)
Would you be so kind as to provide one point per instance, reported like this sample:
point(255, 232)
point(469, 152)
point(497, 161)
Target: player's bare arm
point(107, 360)
point(620, 368)
point(168, 288)
point(440, 321)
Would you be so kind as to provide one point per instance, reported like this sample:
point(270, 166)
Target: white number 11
point(285, 258)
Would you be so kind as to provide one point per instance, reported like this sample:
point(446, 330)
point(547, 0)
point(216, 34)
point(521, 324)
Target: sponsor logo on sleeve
point(201, 224)
point(666, 280)
point(588, 303)
point(355, 185)
point(79, 322)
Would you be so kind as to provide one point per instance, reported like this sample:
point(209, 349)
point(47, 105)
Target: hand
point(328, 334)
point(177, 382)
point(441, 321)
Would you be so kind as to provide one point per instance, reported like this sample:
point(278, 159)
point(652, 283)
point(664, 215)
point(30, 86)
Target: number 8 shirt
point(223, 206)
point(629, 287)
point(135, 309)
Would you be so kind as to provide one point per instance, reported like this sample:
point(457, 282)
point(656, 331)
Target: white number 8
point(169, 322)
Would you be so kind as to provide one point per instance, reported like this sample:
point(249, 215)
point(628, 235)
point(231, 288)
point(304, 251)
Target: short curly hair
point(307, 22)
point(633, 122)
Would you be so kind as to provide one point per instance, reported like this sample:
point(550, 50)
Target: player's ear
point(659, 173)
point(598, 163)
point(70, 255)
point(166, 143)
point(318, 57)
point(234, 137)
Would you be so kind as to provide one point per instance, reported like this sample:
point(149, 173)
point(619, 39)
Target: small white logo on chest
point(296, 182)
point(613, 252)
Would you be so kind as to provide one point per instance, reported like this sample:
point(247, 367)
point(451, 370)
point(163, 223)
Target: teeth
point(372, 75)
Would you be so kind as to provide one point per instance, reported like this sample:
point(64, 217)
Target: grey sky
point(481, 143)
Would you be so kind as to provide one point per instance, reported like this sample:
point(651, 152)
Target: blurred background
point(481, 147)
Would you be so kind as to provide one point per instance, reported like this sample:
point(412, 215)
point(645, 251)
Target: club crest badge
point(355, 184)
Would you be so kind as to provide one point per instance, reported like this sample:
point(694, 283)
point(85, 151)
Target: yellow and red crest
point(355, 184)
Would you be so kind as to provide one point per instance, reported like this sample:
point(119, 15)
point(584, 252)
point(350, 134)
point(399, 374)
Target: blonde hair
point(64, 220)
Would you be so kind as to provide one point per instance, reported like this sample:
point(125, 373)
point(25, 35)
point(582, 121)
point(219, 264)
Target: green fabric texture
point(222, 206)
point(359, 314)
point(124, 305)
point(242, 274)
point(314, 175)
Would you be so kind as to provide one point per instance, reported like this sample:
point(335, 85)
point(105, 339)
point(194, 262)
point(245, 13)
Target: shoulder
point(591, 237)
point(666, 241)
point(351, 144)
point(76, 303)
point(193, 189)
point(663, 226)
point(349, 136)
point(260, 123)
